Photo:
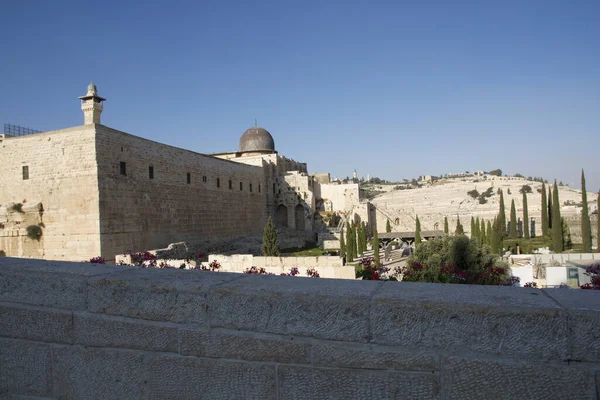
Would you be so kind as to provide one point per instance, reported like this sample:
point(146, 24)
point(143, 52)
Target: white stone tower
point(91, 105)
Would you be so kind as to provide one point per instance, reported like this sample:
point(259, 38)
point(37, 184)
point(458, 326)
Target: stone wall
point(140, 213)
point(343, 197)
point(84, 331)
point(61, 194)
point(326, 266)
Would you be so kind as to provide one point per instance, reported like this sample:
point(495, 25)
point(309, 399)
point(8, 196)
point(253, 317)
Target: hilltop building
point(91, 190)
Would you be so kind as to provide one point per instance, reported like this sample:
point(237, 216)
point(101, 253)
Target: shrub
point(97, 260)
point(368, 269)
point(526, 189)
point(455, 259)
point(34, 232)
point(2, 253)
point(473, 193)
point(17, 207)
point(592, 271)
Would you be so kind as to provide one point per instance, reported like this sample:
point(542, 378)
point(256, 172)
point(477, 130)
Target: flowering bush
point(256, 271)
point(213, 266)
point(592, 271)
point(530, 285)
point(97, 260)
point(370, 270)
point(293, 272)
point(312, 273)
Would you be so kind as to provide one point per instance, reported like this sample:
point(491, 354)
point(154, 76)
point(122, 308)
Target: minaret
point(91, 105)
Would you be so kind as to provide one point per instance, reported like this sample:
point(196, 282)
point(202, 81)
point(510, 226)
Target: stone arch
point(397, 221)
point(281, 216)
point(299, 216)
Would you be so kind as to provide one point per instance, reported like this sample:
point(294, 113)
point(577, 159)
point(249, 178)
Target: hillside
point(449, 198)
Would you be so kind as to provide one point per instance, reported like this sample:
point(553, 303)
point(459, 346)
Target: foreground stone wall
point(84, 331)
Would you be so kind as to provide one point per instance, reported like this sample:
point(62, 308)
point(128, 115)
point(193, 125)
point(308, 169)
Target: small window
point(250, 187)
point(25, 172)
point(258, 188)
point(241, 186)
point(230, 184)
point(218, 182)
point(151, 172)
point(189, 178)
point(204, 178)
point(123, 168)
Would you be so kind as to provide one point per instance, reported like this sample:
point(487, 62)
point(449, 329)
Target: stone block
point(495, 379)
point(86, 373)
point(583, 307)
point(192, 378)
point(156, 294)
point(106, 331)
point(240, 346)
point(314, 383)
point(24, 368)
point(43, 325)
point(509, 321)
point(294, 306)
point(372, 357)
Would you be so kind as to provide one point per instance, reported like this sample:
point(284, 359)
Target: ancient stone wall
point(221, 200)
point(60, 194)
point(343, 197)
point(326, 266)
point(85, 331)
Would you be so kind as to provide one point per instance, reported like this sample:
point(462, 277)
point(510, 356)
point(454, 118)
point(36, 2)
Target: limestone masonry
point(94, 190)
point(85, 331)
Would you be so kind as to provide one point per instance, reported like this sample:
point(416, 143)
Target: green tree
point(473, 227)
point(513, 221)
point(354, 241)
point(376, 247)
point(342, 244)
point(566, 234)
point(417, 232)
point(363, 237)
point(459, 228)
point(388, 227)
point(349, 251)
point(494, 240)
point(525, 217)
point(544, 212)
point(598, 223)
point(488, 233)
point(557, 234)
point(586, 227)
point(501, 219)
point(270, 247)
point(477, 230)
point(446, 225)
point(482, 237)
point(550, 208)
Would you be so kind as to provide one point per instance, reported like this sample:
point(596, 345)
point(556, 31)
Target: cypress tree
point(376, 247)
point(482, 238)
point(418, 232)
point(488, 233)
point(544, 212)
point(459, 228)
point(513, 220)
point(566, 234)
point(557, 234)
point(598, 222)
point(586, 227)
point(270, 247)
point(473, 227)
point(525, 217)
point(363, 231)
point(354, 242)
point(388, 227)
point(477, 230)
point(494, 239)
point(446, 225)
point(550, 208)
point(359, 242)
point(342, 244)
point(502, 218)
point(349, 251)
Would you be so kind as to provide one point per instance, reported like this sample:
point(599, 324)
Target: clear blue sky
point(394, 89)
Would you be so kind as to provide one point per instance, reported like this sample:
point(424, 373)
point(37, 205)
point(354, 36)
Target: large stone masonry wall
point(139, 213)
point(83, 331)
point(63, 182)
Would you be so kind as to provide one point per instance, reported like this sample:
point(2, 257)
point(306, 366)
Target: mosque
point(91, 190)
